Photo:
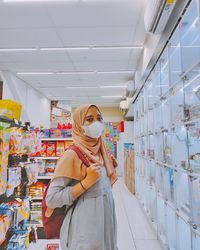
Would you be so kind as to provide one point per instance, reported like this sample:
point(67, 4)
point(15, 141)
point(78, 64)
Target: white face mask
point(94, 130)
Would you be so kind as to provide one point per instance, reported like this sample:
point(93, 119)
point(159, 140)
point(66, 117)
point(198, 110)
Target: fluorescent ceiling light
point(111, 96)
point(75, 72)
point(35, 73)
point(13, 50)
point(64, 48)
point(112, 86)
point(29, 1)
point(90, 47)
point(116, 72)
point(81, 87)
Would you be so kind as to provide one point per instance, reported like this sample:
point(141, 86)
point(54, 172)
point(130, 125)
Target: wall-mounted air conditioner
point(157, 14)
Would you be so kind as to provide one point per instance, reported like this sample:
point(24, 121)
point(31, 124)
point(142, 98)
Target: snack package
point(60, 148)
point(4, 152)
point(41, 168)
point(50, 167)
point(44, 149)
point(51, 149)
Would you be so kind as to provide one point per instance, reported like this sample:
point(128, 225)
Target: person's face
point(92, 115)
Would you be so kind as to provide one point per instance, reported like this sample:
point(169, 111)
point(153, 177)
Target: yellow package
point(10, 109)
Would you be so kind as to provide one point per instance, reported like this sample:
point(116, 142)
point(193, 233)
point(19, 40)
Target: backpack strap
point(80, 154)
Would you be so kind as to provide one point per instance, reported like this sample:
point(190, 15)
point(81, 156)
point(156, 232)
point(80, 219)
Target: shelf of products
point(167, 139)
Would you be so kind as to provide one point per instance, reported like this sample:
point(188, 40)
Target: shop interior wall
point(36, 107)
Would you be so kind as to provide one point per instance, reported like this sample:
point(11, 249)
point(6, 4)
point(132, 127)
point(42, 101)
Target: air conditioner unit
point(157, 14)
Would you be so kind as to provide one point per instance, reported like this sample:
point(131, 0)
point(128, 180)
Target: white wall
point(36, 107)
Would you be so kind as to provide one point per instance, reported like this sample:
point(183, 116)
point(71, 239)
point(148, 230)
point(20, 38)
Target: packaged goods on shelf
point(4, 152)
point(51, 149)
point(37, 189)
point(50, 167)
point(60, 148)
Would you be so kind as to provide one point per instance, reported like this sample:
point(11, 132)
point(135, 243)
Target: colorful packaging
point(51, 149)
point(50, 167)
point(4, 152)
point(41, 168)
point(43, 149)
point(60, 148)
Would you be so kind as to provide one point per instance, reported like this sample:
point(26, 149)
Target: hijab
point(69, 165)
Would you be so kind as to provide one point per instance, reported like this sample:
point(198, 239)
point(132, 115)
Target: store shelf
point(36, 198)
point(44, 177)
point(47, 158)
point(56, 139)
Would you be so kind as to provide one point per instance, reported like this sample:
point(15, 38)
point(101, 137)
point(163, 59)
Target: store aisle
point(134, 231)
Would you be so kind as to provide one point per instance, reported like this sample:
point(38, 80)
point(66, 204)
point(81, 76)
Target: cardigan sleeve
point(59, 193)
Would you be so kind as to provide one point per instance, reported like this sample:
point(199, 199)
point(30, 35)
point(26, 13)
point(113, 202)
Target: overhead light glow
point(111, 96)
point(113, 86)
point(16, 49)
point(29, 1)
point(75, 72)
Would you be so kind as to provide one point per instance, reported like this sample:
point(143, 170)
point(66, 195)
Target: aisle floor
point(134, 231)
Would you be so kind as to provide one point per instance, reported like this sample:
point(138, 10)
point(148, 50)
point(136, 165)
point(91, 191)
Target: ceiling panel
point(99, 36)
point(43, 67)
point(26, 38)
point(23, 16)
point(73, 23)
point(97, 13)
point(35, 56)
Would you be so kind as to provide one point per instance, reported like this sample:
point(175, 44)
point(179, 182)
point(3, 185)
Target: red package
point(51, 149)
point(53, 246)
point(43, 149)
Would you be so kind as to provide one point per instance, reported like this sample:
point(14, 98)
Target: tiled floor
point(134, 231)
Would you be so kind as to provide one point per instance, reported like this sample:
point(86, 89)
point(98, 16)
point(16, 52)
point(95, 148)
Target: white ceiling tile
point(102, 13)
point(43, 67)
point(98, 36)
point(26, 38)
point(23, 16)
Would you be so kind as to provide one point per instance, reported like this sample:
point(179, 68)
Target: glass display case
point(167, 138)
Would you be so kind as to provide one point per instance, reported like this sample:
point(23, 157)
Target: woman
point(90, 224)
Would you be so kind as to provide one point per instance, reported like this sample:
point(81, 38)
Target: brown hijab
point(69, 165)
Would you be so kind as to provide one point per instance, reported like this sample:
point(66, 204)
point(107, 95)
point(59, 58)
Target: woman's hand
point(93, 175)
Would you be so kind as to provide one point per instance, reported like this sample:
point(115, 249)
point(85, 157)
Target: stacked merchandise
point(17, 174)
point(111, 136)
point(129, 167)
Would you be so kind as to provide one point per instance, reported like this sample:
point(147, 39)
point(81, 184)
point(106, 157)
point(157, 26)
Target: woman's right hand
point(93, 175)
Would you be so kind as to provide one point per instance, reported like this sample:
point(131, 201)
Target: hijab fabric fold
point(69, 165)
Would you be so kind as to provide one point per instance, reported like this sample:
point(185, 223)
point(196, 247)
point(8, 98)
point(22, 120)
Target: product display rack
point(44, 179)
point(167, 139)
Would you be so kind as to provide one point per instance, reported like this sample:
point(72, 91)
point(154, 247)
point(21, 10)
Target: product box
point(51, 149)
point(43, 149)
point(50, 167)
point(60, 148)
